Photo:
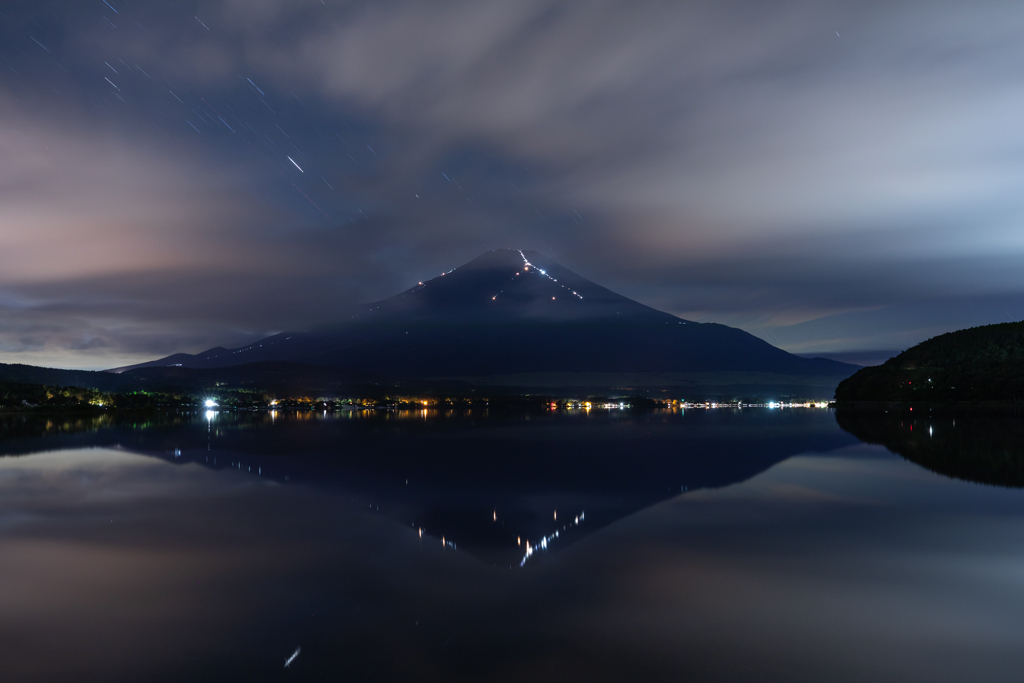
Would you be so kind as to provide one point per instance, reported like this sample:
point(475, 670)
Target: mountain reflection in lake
point(716, 545)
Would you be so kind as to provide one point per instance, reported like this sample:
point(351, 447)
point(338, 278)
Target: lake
point(601, 545)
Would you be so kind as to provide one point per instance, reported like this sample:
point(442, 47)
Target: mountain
point(978, 364)
point(31, 374)
point(516, 318)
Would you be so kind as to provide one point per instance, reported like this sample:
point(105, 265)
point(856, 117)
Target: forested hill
point(30, 374)
point(978, 364)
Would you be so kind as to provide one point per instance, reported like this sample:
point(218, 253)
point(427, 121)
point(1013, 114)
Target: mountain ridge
point(511, 311)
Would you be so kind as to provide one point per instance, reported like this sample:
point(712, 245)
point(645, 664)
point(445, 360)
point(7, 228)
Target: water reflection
point(984, 447)
point(448, 471)
point(150, 551)
point(543, 543)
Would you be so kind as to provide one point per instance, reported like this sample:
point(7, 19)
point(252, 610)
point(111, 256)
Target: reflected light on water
point(137, 557)
point(543, 544)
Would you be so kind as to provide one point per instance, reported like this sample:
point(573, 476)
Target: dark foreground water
point(761, 545)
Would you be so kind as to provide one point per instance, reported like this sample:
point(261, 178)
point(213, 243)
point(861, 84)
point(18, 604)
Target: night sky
point(835, 177)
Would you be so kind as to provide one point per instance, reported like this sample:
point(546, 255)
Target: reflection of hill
point(463, 471)
point(23, 434)
point(988, 449)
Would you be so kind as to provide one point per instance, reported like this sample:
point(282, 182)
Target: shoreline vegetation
point(977, 367)
point(928, 406)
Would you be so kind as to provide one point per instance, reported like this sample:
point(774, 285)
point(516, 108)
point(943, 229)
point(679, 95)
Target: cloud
point(706, 130)
point(762, 165)
point(76, 202)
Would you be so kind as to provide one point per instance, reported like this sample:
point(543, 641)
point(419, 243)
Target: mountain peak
point(514, 311)
point(508, 284)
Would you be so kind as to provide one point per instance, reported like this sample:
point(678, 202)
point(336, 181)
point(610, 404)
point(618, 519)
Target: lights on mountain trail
point(527, 265)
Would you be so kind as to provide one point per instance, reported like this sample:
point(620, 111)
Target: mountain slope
point(510, 312)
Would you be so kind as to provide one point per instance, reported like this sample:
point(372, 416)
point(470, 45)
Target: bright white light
point(210, 415)
point(543, 545)
point(210, 403)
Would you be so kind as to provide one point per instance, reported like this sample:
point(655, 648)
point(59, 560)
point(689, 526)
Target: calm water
point(760, 545)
